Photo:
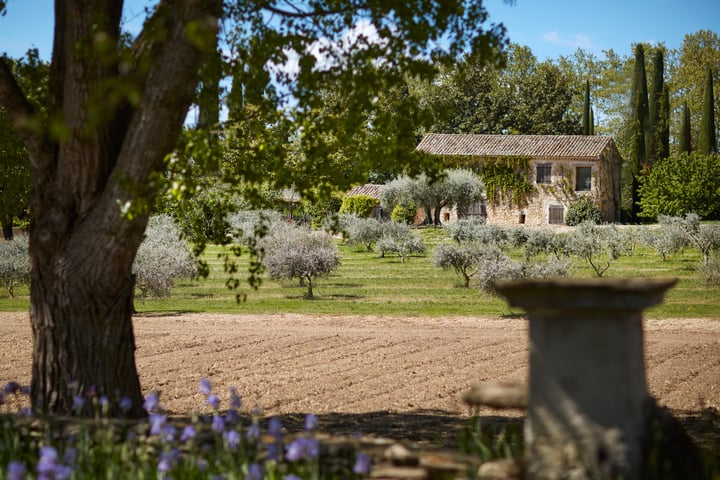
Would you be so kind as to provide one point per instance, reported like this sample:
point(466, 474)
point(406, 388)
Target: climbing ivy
point(506, 177)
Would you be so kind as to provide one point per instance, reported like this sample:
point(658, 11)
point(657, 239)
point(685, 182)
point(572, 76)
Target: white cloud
point(327, 52)
point(576, 41)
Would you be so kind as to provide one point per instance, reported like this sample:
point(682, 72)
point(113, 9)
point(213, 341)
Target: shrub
point(550, 268)
point(706, 238)
point(361, 230)
point(361, 204)
point(463, 258)
point(466, 229)
point(298, 253)
point(404, 213)
point(537, 243)
point(494, 265)
point(516, 236)
point(14, 263)
point(402, 246)
point(710, 271)
point(597, 245)
point(667, 238)
point(162, 258)
point(583, 210)
point(249, 225)
point(399, 238)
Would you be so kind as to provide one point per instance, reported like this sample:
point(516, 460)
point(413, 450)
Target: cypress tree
point(664, 126)
point(587, 120)
point(637, 128)
point(707, 140)
point(685, 139)
point(592, 121)
point(658, 136)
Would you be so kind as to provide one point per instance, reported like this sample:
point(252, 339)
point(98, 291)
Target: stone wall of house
point(559, 193)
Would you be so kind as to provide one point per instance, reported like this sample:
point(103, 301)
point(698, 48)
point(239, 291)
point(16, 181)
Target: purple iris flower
point(235, 399)
point(311, 422)
point(125, 404)
point(218, 424)
point(303, 449)
point(213, 401)
point(275, 427)
point(151, 402)
point(15, 471)
point(11, 387)
point(232, 437)
point(255, 472)
point(205, 387)
point(362, 465)
point(157, 423)
point(253, 431)
point(188, 433)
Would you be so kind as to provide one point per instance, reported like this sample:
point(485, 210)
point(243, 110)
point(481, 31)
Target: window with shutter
point(556, 215)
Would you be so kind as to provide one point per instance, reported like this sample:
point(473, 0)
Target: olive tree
point(463, 258)
point(295, 252)
point(14, 263)
point(361, 230)
point(99, 153)
point(399, 238)
point(456, 187)
point(163, 257)
point(597, 245)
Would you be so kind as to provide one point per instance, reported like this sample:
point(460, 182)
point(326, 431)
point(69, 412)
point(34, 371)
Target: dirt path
point(396, 368)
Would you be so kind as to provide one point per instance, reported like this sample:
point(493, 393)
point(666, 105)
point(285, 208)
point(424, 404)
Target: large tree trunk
point(81, 248)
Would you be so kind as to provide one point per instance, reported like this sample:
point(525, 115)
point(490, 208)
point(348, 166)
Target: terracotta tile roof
point(547, 146)
point(368, 189)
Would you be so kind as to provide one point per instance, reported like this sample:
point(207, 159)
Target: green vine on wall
point(506, 177)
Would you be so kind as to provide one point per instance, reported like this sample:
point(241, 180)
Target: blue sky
point(550, 28)
point(559, 27)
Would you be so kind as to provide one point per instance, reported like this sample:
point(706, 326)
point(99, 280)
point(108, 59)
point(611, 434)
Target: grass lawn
point(367, 284)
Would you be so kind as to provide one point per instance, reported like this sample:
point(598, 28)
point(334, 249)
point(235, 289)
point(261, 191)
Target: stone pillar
point(588, 399)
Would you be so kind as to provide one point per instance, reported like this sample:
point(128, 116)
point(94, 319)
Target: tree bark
point(7, 228)
point(82, 249)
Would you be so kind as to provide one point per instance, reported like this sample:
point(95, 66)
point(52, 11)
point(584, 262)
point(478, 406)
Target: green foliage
point(32, 75)
point(163, 258)
point(491, 441)
point(404, 213)
point(506, 178)
point(14, 263)
point(361, 205)
point(323, 211)
point(522, 96)
point(581, 210)
point(681, 184)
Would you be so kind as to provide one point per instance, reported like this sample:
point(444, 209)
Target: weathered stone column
point(588, 398)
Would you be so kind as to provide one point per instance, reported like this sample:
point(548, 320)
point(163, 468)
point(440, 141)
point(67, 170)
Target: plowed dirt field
point(399, 377)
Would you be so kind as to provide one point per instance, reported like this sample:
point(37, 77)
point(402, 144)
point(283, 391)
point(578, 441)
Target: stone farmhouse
point(554, 170)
